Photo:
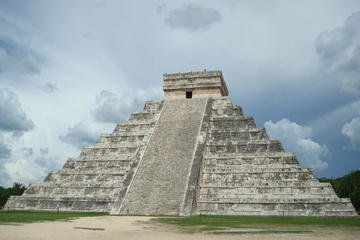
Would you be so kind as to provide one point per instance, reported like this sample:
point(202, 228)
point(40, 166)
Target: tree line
point(16, 189)
point(347, 186)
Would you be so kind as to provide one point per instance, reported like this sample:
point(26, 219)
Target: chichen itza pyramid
point(192, 153)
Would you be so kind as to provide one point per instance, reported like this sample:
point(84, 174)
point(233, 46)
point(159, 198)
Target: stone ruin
point(192, 153)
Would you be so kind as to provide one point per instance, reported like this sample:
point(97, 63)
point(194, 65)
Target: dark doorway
point(188, 94)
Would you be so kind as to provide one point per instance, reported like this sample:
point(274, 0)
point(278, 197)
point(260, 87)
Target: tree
point(347, 186)
point(5, 193)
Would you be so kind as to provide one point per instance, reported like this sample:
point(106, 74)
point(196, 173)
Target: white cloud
point(297, 139)
point(24, 171)
point(352, 130)
point(5, 151)
point(23, 63)
point(50, 87)
point(335, 118)
point(5, 154)
point(13, 117)
point(114, 108)
point(81, 135)
point(26, 164)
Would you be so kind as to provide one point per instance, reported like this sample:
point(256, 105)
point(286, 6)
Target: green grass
point(257, 222)
point(32, 216)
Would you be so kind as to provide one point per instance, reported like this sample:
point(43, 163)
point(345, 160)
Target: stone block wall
point(94, 180)
point(246, 173)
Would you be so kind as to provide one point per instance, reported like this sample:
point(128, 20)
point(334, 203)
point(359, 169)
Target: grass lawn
point(32, 216)
point(206, 223)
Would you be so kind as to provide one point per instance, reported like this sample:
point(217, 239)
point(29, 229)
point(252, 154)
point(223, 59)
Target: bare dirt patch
point(133, 228)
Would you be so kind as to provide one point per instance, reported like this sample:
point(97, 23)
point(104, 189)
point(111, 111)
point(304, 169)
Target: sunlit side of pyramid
point(192, 153)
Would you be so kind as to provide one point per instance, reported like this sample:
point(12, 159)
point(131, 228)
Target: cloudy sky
point(70, 70)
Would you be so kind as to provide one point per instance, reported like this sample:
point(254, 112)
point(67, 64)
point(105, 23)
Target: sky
point(71, 69)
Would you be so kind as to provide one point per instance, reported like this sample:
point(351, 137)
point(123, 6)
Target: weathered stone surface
point(200, 84)
point(186, 156)
point(245, 173)
point(160, 183)
point(93, 181)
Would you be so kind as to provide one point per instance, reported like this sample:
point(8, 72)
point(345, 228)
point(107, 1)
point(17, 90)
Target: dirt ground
point(133, 228)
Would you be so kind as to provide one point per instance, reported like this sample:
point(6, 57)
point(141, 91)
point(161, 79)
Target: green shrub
point(16, 189)
point(347, 186)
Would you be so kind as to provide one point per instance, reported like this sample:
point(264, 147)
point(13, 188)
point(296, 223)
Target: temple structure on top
point(192, 153)
point(194, 85)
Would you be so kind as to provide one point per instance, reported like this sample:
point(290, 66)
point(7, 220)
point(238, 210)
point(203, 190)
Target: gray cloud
point(28, 151)
point(44, 151)
point(113, 108)
point(80, 135)
point(50, 87)
point(190, 16)
point(352, 130)
point(47, 162)
point(339, 50)
point(297, 138)
point(3, 60)
point(13, 117)
point(24, 63)
point(5, 152)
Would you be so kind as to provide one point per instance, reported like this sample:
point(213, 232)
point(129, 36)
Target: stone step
point(113, 184)
point(263, 208)
point(110, 164)
point(279, 199)
point(238, 169)
point(251, 176)
point(256, 162)
point(142, 116)
point(159, 186)
point(153, 106)
point(257, 183)
point(126, 158)
point(229, 118)
point(114, 172)
point(119, 156)
point(133, 127)
point(85, 177)
point(245, 147)
point(226, 111)
point(62, 191)
point(124, 144)
point(267, 192)
point(238, 135)
point(251, 156)
point(211, 165)
point(108, 151)
point(223, 123)
point(46, 203)
point(122, 139)
point(266, 184)
point(143, 132)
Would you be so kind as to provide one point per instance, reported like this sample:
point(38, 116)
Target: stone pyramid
point(192, 153)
